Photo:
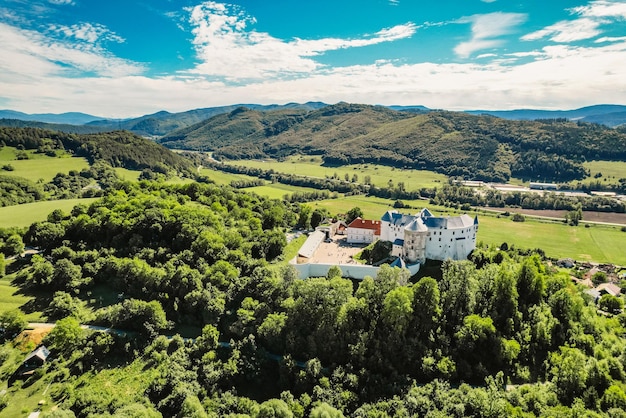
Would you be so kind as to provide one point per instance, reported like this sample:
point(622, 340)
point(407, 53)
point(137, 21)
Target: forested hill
point(454, 143)
point(162, 123)
point(72, 129)
point(118, 148)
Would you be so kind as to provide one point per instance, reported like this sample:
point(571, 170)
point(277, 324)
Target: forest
point(501, 334)
point(453, 143)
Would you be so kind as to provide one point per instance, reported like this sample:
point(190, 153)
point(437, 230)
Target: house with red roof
point(363, 231)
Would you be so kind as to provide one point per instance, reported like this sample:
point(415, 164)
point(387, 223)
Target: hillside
point(603, 114)
point(453, 143)
point(118, 149)
point(69, 118)
point(162, 123)
point(63, 127)
point(503, 334)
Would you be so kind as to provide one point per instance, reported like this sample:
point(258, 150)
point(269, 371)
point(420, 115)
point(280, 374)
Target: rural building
point(36, 358)
point(363, 231)
point(32, 362)
point(310, 245)
point(543, 186)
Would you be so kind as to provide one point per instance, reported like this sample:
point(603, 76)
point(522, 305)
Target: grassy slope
point(10, 299)
point(125, 174)
point(26, 214)
point(122, 382)
point(615, 169)
point(222, 178)
point(39, 166)
point(380, 175)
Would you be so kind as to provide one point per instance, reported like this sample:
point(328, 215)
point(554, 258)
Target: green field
point(11, 299)
point(126, 174)
point(311, 166)
point(223, 178)
point(23, 215)
point(277, 190)
point(39, 166)
point(611, 170)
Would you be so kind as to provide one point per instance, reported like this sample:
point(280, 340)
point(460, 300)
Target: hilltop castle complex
point(416, 238)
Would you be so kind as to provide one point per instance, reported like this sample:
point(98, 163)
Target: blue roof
point(432, 222)
point(398, 262)
point(399, 242)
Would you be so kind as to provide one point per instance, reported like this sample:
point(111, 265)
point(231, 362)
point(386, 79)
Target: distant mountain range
point(70, 118)
point(609, 115)
point(163, 123)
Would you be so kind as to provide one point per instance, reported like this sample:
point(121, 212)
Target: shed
point(36, 358)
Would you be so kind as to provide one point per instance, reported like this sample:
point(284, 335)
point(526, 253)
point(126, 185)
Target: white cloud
point(562, 76)
point(488, 1)
point(27, 53)
point(61, 2)
point(227, 48)
point(587, 26)
point(610, 39)
point(87, 32)
point(40, 73)
point(602, 8)
point(486, 29)
point(568, 31)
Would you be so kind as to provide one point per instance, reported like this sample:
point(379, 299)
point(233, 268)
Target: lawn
point(277, 190)
point(558, 240)
point(39, 166)
point(611, 170)
point(311, 166)
point(24, 215)
point(126, 174)
point(10, 299)
point(223, 178)
point(125, 382)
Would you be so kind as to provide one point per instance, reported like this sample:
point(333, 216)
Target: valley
point(188, 257)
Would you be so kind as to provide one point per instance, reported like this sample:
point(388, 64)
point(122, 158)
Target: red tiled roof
point(366, 224)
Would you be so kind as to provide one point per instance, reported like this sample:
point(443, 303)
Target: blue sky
point(127, 58)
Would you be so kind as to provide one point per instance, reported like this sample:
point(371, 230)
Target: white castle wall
point(351, 271)
point(444, 243)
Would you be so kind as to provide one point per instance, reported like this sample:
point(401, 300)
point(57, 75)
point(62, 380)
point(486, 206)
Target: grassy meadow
point(22, 216)
point(311, 166)
point(611, 170)
point(126, 174)
point(223, 178)
point(39, 166)
point(11, 298)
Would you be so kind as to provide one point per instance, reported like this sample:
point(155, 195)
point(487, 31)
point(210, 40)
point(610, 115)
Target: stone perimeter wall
point(351, 271)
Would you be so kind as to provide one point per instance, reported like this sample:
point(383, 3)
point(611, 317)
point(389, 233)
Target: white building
point(363, 231)
point(424, 236)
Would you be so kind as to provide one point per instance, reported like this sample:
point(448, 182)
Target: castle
point(416, 238)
